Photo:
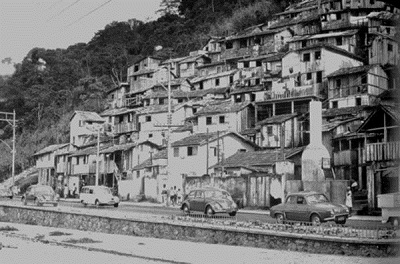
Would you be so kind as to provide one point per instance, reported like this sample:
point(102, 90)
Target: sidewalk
point(154, 250)
point(244, 210)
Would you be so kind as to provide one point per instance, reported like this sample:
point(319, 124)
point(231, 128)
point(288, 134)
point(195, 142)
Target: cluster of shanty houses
point(301, 102)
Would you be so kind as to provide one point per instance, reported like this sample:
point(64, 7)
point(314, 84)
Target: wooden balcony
point(304, 91)
point(345, 157)
point(345, 91)
point(125, 128)
point(384, 151)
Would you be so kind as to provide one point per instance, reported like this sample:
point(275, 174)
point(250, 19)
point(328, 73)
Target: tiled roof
point(222, 106)
point(143, 71)
point(211, 76)
point(247, 89)
point(260, 158)
point(277, 119)
point(121, 147)
point(88, 151)
point(50, 149)
point(331, 48)
point(193, 58)
point(351, 70)
point(148, 163)
point(328, 126)
point(353, 111)
point(88, 116)
point(116, 111)
point(325, 35)
point(202, 138)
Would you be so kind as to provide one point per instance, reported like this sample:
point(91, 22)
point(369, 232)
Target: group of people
point(174, 196)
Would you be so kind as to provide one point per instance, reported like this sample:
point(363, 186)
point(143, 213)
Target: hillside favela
point(301, 102)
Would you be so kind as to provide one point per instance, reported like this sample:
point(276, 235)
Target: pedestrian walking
point(173, 196)
point(349, 200)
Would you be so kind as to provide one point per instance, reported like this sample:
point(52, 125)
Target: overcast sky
point(50, 24)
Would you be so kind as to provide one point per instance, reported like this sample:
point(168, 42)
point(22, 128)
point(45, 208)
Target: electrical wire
point(82, 17)
point(63, 10)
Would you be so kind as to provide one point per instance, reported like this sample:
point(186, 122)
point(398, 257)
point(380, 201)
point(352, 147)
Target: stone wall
point(199, 232)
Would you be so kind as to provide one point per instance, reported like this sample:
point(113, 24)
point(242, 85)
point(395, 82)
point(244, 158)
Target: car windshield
point(218, 195)
point(43, 190)
point(105, 190)
point(316, 198)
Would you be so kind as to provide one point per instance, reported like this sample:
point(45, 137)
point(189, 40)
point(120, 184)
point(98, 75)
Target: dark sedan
point(309, 207)
point(209, 201)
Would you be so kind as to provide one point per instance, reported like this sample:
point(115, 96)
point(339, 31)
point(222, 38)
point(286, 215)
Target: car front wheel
point(185, 209)
point(315, 219)
point(116, 205)
point(209, 211)
point(279, 218)
point(232, 214)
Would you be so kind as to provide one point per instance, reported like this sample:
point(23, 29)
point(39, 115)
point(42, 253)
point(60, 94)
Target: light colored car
point(309, 207)
point(40, 195)
point(6, 192)
point(98, 195)
point(209, 201)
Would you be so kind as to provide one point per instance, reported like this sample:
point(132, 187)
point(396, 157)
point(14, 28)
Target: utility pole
point(10, 119)
point(97, 158)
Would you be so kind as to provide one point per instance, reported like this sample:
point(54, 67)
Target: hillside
point(48, 85)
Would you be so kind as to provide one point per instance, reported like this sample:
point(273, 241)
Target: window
point(309, 76)
point(390, 47)
point(176, 152)
point(229, 45)
point(257, 81)
point(335, 104)
point(319, 77)
point(231, 79)
point(246, 64)
point(216, 82)
point(364, 79)
point(269, 130)
point(150, 135)
point(208, 120)
point(306, 57)
point(148, 118)
point(338, 83)
point(258, 63)
point(339, 41)
point(192, 151)
point(77, 160)
point(304, 43)
point(180, 100)
point(358, 101)
point(221, 119)
point(243, 43)
point(201, 86)
point(219, 69)
point(80, 123)
point(317, 55)
point(161, 101)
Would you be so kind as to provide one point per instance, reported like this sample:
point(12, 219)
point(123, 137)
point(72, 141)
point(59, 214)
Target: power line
point(82, 17)
point(62, 11)
point(54, 4)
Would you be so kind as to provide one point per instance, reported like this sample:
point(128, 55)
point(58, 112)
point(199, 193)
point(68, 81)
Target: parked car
point(209, 201)
point(309, 207)
point(40, 195)
point(98, 195)
point(6, 192)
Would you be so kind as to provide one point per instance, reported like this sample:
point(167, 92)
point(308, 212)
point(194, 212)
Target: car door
point(301, 211)
point(198, 201)
point(290, 207)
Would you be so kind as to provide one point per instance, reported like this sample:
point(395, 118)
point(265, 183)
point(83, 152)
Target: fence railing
point(324, 229)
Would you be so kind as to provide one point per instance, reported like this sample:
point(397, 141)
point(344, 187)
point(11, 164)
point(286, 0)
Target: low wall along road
point(215, 231)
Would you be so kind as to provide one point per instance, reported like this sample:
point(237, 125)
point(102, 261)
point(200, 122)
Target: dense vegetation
point(48, 85)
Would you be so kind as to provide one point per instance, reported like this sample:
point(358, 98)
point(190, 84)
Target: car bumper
point(340, 217)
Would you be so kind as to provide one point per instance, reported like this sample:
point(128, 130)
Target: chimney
point(315, 153)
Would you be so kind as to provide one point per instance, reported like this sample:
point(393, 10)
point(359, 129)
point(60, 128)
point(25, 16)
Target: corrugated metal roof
point(148, 163)
point(203, 138)
point(351, 70)
point(211, 76)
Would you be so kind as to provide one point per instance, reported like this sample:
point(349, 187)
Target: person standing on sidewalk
point(349, 200)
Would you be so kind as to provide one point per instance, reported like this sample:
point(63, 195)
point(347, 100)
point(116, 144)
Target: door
point(198, 202)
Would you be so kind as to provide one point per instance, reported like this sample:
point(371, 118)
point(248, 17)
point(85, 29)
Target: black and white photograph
point(199, 131)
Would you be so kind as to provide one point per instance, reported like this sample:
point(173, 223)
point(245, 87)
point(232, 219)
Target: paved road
point(243, 215)
point(38, 245)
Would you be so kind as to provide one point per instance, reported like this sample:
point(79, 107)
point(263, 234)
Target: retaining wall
point(198, 232)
